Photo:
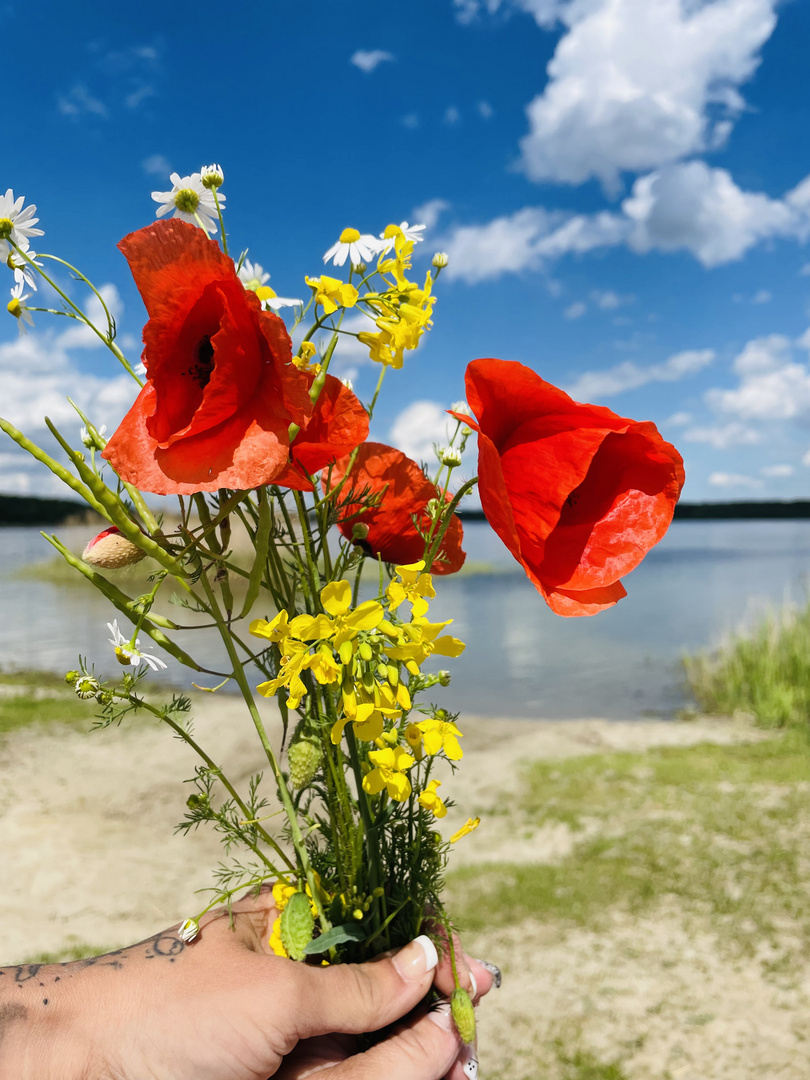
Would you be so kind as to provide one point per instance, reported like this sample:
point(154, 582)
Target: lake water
point(703, 580)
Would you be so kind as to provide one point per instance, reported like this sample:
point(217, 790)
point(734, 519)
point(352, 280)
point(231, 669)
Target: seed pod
point(297, 925)
point(461, 1007)
point(304, 756)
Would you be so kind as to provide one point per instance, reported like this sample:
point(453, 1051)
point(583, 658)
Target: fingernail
point(416, 959)
point(441, 1016)
point(495, 972)
point(473, 986)
point(470, 1066)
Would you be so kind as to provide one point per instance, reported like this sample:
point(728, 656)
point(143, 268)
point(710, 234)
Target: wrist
point(43, 1034)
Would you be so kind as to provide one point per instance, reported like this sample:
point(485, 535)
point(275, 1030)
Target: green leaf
point(336, 936)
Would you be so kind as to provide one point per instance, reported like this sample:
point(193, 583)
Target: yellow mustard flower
point(303, 361)
point(391, 766)
point(275, 630)
point(441, 735)
point(368, 723)
point(341, 624)
point(425, 641)
point(431, 800)
point(413, 737)
point(332, 293)
point(414, 585)
point(469, 825)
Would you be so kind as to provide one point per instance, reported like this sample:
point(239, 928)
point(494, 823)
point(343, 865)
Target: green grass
point(721, 831)
point(764, 672)
point(19, 707)
point(73, 949)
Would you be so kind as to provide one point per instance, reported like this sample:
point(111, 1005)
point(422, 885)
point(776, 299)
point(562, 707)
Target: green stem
point(433, 550)
point(284, 794)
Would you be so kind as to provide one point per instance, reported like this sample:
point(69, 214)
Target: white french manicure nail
point(473, 987)
point(416, 959)
point(470, 1066)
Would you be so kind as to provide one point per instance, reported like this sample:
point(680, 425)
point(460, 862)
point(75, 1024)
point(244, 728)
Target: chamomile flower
point(127, 653)
point(252, 275)
point(410, 232)
point(16, 223)
point(275, 303)
point(16, 307)
point(212, 176)
point(358, 248)
point(24, 273)
point(189, 199)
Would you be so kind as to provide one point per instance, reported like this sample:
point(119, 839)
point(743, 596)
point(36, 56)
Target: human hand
point(224, 1008)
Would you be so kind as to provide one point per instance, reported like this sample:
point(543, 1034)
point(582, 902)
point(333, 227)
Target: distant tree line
point(28, 510)
point(725, 511)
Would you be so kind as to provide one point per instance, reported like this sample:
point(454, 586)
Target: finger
point(476, 983)
point(424, 1050)
point(354, 998)
point(465, 1067)
point(316, 1055)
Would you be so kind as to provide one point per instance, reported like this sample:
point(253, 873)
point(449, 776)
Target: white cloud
point(722, 436)
point(525, 240)
point(410, 120)
point(635, 84)
point(731, 480)
point(593, 385)
point(545, 12)
point(575, 310)
point(608, 300)
point(452, 116)
point(762, 297)
point(776, 471)
point(805, 270)
point(418, 427)
point(80, 336)
point(699, 209)
point(429, 212)
point(679, 419)
point(806, 459)
point(687, 207)
point(485, 110)
point(368, 59)
point(78, 101)
point(156, 165)
point(134, 98)
point(772, 386)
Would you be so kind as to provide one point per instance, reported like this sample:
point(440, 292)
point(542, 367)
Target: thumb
point(355, 998)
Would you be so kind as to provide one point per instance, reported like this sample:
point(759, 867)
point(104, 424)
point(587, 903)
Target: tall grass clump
point(764, 671)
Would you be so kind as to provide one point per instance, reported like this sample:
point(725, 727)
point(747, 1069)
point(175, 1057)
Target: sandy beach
point(90, 861)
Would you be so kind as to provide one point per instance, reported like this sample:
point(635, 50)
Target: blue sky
point(622, 186)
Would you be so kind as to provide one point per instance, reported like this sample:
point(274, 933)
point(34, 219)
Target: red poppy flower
point(338, 424)
point(221, 388)
point(578, 494)
point(404, 491)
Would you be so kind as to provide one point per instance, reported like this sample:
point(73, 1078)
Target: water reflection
point(704, 579)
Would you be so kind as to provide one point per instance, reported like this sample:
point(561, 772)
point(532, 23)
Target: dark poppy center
point(200, 370)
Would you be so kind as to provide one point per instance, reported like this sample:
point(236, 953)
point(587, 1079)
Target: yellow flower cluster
point(404, 310)
point(360, 651)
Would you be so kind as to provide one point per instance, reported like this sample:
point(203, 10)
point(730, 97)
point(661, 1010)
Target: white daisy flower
point(128, 654)
point(16, 307)
point(278, 302)
point(411, 232)
point(252, 275)
point(23, 271)
point(188, 200)
point(212, 176)
point(189, 930)
point(15, 223)
point(358, 248)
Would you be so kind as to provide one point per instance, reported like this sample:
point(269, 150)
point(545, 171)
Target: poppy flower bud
point(461, 1007)
point(110, 550)
point(297, 925)
point(440, 260)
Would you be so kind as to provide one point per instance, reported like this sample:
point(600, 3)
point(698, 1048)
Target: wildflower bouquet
point(330, 613)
